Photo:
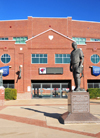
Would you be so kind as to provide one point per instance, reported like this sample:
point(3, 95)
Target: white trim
point(53, 31)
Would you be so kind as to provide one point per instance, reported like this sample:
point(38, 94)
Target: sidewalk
point(40, 101)
point(38, 118)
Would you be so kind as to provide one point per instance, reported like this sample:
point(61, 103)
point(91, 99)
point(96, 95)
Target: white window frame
point(39, 58)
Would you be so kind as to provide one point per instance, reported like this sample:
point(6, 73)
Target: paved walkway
point(38, 118)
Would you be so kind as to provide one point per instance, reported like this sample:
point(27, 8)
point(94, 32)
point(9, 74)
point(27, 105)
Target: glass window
point(14, 38)
point(58, 60)
point(90, 85)
point(41, 55)
point(43, 60)
point(45, 55)
point(35, 60)
point(4, 38)
point(96, 85)
point(79, 40)
point(39, 58)
point(33, 55)
point(8, 83)
point(37, 55)
point(5, 58)
point(95, 58)
point(20, 40)
point(94, 39)
point(62, 58)
point(64, 55)
point(93, 83)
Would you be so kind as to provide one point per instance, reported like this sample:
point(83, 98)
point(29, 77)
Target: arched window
point(95, 58)
point(5, 58)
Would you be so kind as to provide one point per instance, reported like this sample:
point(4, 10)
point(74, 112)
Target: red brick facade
point(62, 29)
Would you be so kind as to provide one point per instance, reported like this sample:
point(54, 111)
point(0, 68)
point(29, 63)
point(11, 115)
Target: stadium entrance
point(50, 89)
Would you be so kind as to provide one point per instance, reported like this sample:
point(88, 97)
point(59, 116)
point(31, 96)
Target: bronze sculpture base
point(78, 109)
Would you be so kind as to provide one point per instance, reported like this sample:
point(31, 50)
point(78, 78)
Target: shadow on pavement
point(52, 115)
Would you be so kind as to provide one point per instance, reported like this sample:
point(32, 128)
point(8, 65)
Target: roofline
point(86, 21)
point(53, 17)
point(14, 20)
point(36, 17)
point(53, 31)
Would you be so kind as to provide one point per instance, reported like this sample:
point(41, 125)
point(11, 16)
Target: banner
point(95, 70)
point(5, 70)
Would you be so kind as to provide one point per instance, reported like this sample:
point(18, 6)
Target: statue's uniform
point(76, 56)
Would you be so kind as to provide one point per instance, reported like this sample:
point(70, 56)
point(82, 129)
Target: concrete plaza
point(38, 118)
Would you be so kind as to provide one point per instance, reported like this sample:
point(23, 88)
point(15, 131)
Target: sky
point(85, 10)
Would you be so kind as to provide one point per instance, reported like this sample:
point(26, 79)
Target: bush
point(10, 94)
point(94, 92)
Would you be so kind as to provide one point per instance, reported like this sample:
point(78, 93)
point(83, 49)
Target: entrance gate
point(50, 90)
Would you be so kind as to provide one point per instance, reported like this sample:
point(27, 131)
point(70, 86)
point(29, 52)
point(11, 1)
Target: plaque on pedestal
point(78, 102)
point(78, 109)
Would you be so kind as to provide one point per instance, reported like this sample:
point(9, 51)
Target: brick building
point(43, 46)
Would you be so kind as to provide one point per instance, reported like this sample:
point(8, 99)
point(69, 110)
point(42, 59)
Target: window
point(39, 58)
point(62, 58)
point(5, 58)
point(20, 40)
point(79, 40)
point(4, 38)
point(95, 58)
point(94, 39)
point(8, 83)
point(93, 83)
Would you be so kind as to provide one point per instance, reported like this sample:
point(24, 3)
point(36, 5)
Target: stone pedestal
point(2, 95)
point(78, 109)
point(78, 102)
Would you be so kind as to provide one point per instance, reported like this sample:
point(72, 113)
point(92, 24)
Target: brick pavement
point(44, 116)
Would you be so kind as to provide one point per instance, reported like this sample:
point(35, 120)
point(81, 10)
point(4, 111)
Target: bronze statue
point(76, 65)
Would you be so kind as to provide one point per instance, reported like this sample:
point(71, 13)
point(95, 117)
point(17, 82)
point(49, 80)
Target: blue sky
point(87, 10)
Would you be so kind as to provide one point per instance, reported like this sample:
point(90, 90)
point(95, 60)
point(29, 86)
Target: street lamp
point(1, 81)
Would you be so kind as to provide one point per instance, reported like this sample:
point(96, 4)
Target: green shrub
point(94, 92)
point(10, 94)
